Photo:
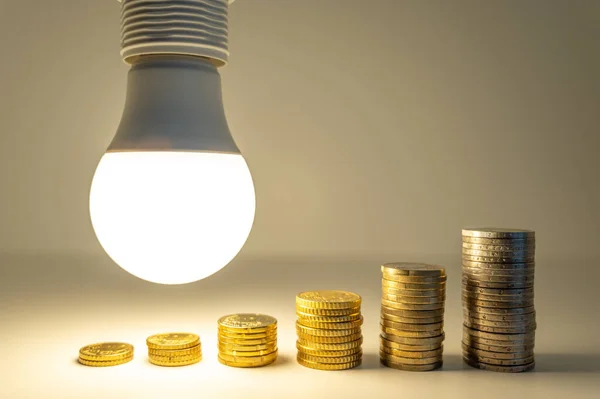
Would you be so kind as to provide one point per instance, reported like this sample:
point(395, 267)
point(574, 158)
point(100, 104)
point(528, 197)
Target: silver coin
point(497, 232)
point(496, 355)
point(498, 247)
point(517, 242)
point(500, 324)
point(501, 348)
point(517, 303)
point(498, 259)
point(498, 266)
point(499, 254)
point(498, 317)
point(493, 284)
point(499, 336)
point(502, 273)
point(499, 330)
point(498, 298)
point(499, 362)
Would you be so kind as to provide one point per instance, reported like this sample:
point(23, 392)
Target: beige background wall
point(374, 130)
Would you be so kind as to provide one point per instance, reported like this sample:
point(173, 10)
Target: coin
point(500, 247)
point(329, 319)
point(411, 334)
point(250, 336)
point(413, 269)
point(411, 367)
point(495, 232)
point(488, 284)
point(106, 351)
point(499, 362)
point(499, 291)
point(248, 322)
point(502, 369)
point(498, 259)
point(501, 330)
point(326, 333)
point(258, 360)
point(409, 360)
point(499, 254)
point(498, 336)
point(409, 306)
point(501, 324)
point(243, 341)
point(245, 365)
point(322, 353)
point(411, 327)
point(251, 348)
point(105, 363)
point(331, 326)
point(414, 340)
point(328, 366)
point(175, 352)
point(175, 363)
point(518, 279)
point(327, 312)
point(413, 286)
point(500, 349)
point(413, 280)
point(515, 342)
point(418, 294)
point(331, 347)
point(500, 298)
point(483, 273)
point(174, 359)
point(408, 320)
point(499, 241)
point(415, 314)
point(330, 360)
point(497, 317)
point(413, 299)
point(328, 299)
point(410, 348)
point(246, 353)
point(498, 311)
point(328, 340)
point(411, 354)
point(496, 355)
point(498, 304)
point(499, 266)
point(172, 341)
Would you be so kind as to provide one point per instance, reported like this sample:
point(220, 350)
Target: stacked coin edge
point(174, 349)
point(105, 354)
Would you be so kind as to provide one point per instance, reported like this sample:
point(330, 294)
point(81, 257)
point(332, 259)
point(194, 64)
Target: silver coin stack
point(498, 267)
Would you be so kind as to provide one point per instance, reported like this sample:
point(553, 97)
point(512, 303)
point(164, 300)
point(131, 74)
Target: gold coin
point(269, 358)
point(326, 333)
point(172, 341)
point(413, 300)
point(328, 340)
point(176, 352)
point(174, 359)
point(225, 340)
point(413, 269)
point(521, 246)
point(412, 286)
point(245, 365)
point(261, 347)
point(175, 363)
point(411, 348)
point(327, 312)
point(105, 363)
point(329, 319)
point(331, 326)
point(500, 349)
point(328, 366)
point(499, 362)
point(498, 266)
point(413, 280)
point(414, 314)
point(330, 347)
point(411, 327)
point(328, 299)
point(411, 354)
point(106, 351)
point(496, 355)
point(409, 360)
point(411, 367)
point(496, 232)
point(330, 360)
point(390, 303)
point(498, 336)
point(412, 340)
point(411, 334)
point(248, 322)
point(321, 353)
point(501, 369)
point(413, 293)
point(250, 336)
point(499, 241)
point(244, 353)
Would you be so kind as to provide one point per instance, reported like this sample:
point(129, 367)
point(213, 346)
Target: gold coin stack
point(174, 349)
point(247, 340)
point(412, 316)
point(497, 294)
point(106, 354)
point(329, 330)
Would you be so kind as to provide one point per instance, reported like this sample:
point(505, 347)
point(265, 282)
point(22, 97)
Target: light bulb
point(172, 200)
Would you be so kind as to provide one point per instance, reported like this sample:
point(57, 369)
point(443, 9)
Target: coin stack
point(174, 349)
point(247, 340)
point(106, 354)
point(329, 330)
point(412, 316)
point(497, 294)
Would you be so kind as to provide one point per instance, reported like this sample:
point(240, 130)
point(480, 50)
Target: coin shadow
point(454, 362)
point(370, 361)
point(567, 363)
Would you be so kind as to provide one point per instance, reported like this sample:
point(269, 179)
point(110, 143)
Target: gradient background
point(374, 130)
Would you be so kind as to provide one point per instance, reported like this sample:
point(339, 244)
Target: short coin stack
point(329, 330)
point(174, 349)
point(497, 295)
point(247, 340)
point(412, 316)
point(106, 354)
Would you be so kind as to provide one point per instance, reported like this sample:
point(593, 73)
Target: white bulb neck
point(185, 27)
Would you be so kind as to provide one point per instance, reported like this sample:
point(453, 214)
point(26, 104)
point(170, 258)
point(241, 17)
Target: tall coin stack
point(497, 294)
point(412, 316)
point(174, 349)
point(247, 340)
point(329, 330)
